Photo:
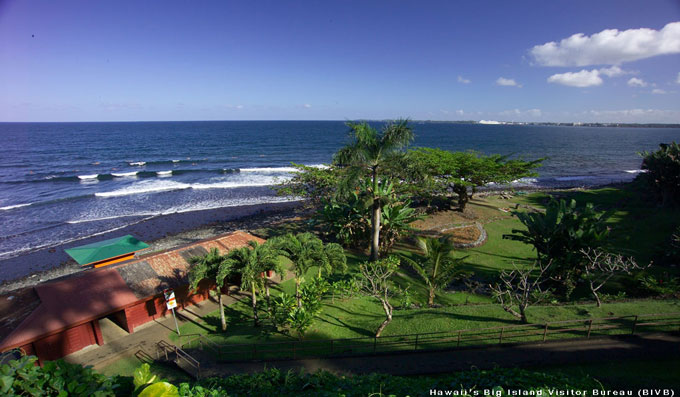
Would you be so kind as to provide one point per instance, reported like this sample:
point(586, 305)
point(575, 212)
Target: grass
point(127, 365)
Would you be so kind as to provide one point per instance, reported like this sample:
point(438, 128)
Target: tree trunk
point(297, 291)
point(461, 191)
point(430, 299)
point(266, 288)
point(513, 312)
point(375, 220)
point(223, 320)
point(254, 303)
point(522, 313)
point(375, 242)
point(388, 317)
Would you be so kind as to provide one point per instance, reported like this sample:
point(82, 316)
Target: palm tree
point(214, 267)
point(369, 151)
point(332, 258)
point(303, 250)
point(439, 267)
point(251, 262)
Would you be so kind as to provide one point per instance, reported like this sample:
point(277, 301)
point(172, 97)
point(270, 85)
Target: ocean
point(61, 182)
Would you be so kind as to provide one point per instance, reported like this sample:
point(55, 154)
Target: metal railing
point(181, 358)
point(553, 330)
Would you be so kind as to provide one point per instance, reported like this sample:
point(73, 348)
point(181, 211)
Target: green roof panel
point(105, 249)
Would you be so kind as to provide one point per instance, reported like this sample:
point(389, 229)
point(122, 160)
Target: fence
point(569, 329)
point(181, 358)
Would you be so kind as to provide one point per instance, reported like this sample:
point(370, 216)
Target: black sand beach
point(161, 233)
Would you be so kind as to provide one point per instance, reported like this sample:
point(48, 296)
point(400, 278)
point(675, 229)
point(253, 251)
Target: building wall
point(66, 342)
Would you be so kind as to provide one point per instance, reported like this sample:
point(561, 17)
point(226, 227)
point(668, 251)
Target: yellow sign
point(170, 299)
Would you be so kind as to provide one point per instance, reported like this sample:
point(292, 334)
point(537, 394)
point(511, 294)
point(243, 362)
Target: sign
point(170, 299)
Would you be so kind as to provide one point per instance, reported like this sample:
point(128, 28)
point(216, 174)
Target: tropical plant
point(560, 233)
point(23, 377)
point(252, 262)
point(522, 287)
point(302, 250)
point(211, 266)
point(366, 155)
point(149, 385)
point(439, 267)
point(396, 223)
point(663, 172)
point(376, 283)
point(316, 184)
point(332, 259)
point(345, 220)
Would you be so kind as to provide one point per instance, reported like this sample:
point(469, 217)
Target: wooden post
point(331, 346)
point(634, 325)
point(375, 343)
point(415, 346)
point(590, 326)
point(458, 344)
point(294, 354)
point(254, 351)
point(545, 332)
point(500, 338)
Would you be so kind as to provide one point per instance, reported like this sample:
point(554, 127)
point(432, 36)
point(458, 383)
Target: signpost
point(172, 304)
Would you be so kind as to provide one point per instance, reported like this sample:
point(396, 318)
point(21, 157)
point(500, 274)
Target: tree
point(316, 184)
point(252, 262)
point(376, 283)
point(519, 288)
point(367, 154)
point(599, 267)
point(663, 172)
point(332, 259)
point(560, 233)
point(214, 267)
point(396, 223)
point(303, 250)
point(439, 172)
point(439, 267)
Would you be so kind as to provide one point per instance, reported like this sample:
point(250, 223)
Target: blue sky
point(318, 60)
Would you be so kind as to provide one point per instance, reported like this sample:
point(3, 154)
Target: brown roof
point(98, 292)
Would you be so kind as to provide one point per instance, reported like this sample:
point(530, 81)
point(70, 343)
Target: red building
point(61, 317)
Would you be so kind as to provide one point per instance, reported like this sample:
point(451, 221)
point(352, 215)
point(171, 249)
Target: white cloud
point(239, 106)
point(306, 105)
point(658, 91)
point(507, 82)
point(612, 71)
point(584, 78)
point(635, 82)
point(463, 80)
point(631, 116)
point(678, 79)
point(517, 114)
point(609, 47)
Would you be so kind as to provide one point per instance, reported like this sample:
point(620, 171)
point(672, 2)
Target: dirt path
point(519, 355)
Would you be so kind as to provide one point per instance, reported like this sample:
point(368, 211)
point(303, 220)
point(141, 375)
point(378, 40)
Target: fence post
point(415, 346)
point(254, 351)
point(331, 346)
point(545, 332)
point(500, 338)
point(375, 342)
point(590, 326)
point(458, 344)
point(634, 325)
point(294, 351)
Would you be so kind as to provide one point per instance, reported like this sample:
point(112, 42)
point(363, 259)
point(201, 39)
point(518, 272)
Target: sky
point(559, 61)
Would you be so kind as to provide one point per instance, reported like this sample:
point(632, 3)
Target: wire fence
point(554, 330)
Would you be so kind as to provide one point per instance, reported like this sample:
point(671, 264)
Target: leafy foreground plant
point(274, 382)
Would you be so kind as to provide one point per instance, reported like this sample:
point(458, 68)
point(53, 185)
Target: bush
point(663, 173)
point(23, 377)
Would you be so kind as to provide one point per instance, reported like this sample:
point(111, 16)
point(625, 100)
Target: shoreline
point(174, 230)
point(163, 232)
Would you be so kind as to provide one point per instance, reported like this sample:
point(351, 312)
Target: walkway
point(649, 346)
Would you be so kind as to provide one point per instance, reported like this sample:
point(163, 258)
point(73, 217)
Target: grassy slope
point(360, 316)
